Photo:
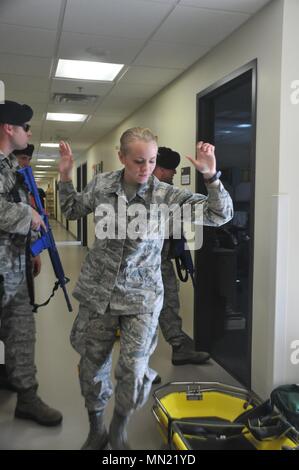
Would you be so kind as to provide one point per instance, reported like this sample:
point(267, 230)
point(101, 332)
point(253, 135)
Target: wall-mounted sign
point(186, 175)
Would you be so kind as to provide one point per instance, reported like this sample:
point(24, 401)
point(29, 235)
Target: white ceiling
point(156, 40)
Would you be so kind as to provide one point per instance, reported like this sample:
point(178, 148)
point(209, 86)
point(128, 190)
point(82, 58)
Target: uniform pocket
point(145, 277)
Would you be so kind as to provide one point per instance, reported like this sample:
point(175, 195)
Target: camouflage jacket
point(121, 271)
point(15, 218)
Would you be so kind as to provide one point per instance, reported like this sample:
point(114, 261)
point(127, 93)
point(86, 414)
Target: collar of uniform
point(11, 159)
point(113, 183)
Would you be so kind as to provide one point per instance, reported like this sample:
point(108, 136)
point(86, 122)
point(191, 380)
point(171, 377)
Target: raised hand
point(65, 165)
point(205, 161)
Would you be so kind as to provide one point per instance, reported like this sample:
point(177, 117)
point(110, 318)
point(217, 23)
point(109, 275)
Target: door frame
point(204, 115)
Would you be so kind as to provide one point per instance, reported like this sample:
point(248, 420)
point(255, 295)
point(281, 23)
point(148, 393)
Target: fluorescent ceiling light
point(46, 160)
point(49, 145)
point(243, 126)
point(67, 117)
point(86, 70)
point(43, 166)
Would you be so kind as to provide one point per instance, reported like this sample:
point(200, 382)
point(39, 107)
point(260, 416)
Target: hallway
point(57, 371)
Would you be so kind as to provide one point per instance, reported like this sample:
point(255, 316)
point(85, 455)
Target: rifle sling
point(56, 285)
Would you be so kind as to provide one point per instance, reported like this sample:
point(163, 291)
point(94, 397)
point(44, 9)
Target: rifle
point(45, 241)
point(183, 259)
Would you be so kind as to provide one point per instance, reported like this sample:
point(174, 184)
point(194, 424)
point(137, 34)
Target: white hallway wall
point(287, 314)
point(172, 116)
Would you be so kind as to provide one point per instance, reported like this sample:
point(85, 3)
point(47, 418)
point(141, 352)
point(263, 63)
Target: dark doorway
point(81, 184)
point(224, 266)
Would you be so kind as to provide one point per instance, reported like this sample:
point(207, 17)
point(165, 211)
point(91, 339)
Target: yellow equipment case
point(215, 416)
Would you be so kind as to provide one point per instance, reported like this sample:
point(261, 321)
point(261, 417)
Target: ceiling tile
point(132, 19)
point(159, 54)
point(115, 114)
point(44, 152)
point(27, 41)
point(32, 98)
point(96, 121)
point(90, 131)
point(98, 48)
point(172, 2)
point(53, 131)
point(116, 103)
point(25, 65)
point(24, 82)
point(134, 90)
point(80, 86)
point(150, 75)
point(244, 6)
point(80, 146)
point(68, 108)
point(198, 26)
point(36, 13)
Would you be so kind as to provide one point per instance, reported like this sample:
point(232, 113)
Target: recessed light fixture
point(67, 117)
point(49, 144)
point(43, 166)
point(243, 126)
point(86, 70)
point(46, 160)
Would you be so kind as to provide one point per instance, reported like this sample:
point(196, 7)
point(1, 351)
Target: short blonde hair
point(133, 134)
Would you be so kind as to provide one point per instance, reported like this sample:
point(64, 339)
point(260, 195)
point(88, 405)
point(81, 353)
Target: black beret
point(15, 113)
point(168, 158)
point(26, 151)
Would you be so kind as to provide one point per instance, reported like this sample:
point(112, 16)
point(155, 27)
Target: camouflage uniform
point(121, 284)
point(17, 321)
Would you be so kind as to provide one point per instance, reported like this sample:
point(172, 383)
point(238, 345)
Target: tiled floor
point(57, 372)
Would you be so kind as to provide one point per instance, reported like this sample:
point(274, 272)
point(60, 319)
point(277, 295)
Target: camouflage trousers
point(93, 336)
point(17, 331)
point(170, 321)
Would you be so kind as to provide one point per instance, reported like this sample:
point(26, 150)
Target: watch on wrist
point(213, 178)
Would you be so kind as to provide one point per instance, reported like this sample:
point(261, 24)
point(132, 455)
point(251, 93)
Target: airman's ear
point(8, 129)
point(122, 157)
